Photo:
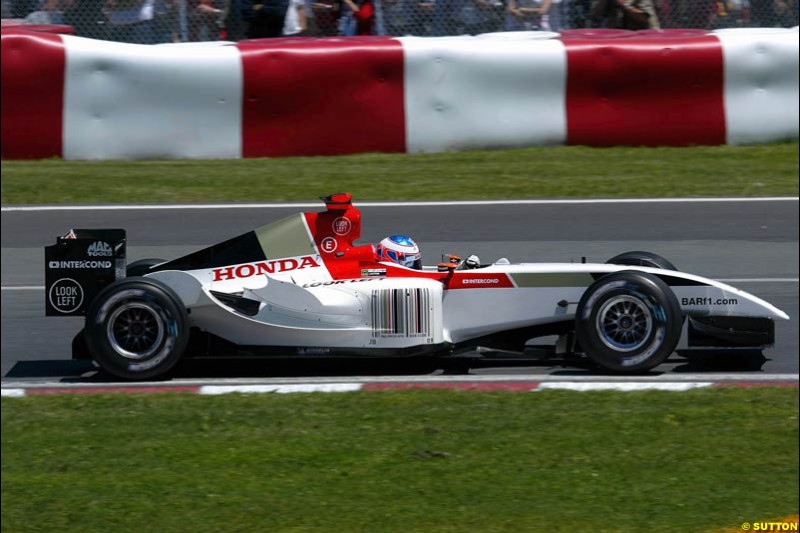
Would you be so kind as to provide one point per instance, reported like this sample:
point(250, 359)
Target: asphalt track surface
point(754, 245)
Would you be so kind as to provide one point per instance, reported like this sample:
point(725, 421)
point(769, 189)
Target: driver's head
point(400, 249)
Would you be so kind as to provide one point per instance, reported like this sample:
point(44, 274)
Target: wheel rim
point(624, 323)
point(135, 330)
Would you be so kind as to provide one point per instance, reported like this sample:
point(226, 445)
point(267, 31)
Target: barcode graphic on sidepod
point(401, 313)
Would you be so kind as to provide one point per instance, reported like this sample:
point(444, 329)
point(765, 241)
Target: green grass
point(404, 461)
point(552, 172)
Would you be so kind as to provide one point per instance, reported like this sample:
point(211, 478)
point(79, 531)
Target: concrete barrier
point(82, 99)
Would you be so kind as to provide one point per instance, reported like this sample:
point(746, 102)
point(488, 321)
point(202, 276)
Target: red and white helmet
point(400, 249)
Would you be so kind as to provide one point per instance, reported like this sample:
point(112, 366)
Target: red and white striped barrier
point(82, 99)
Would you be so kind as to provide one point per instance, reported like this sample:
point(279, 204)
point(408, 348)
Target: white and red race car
point(302, 287)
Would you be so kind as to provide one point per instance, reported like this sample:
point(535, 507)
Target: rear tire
point(628, 322)
point(136, 328)
point(645, 259)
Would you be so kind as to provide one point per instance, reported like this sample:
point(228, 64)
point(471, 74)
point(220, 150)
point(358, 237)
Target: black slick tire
point(639, 258)
point(136, 329)
point(628, 322)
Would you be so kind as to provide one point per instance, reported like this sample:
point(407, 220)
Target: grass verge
point(550, 172)
point(406, 461)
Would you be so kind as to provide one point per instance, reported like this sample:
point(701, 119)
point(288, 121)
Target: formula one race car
point(301, 287)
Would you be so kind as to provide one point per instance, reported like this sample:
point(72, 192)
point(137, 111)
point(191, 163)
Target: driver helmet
point(400, 249)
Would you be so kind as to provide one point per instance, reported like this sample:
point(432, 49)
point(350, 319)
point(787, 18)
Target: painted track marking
point(759, 280)
point(454, 203)
point(612, 385)
point(716, 377)
point(380, 384)
point(280, 389)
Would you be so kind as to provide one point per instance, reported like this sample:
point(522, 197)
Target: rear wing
point(78, 266)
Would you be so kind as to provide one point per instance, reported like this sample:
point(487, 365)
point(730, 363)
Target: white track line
point(455, 203)
point(617, 386)
point(280, 389)
point(759, 280)
point(723, 280)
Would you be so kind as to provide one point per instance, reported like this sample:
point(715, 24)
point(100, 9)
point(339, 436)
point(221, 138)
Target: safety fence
point(83, 99)
point(162, 21)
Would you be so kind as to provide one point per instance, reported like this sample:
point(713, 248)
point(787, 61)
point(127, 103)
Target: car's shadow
point(723, 361)
point(87, 372)
point(82, 371)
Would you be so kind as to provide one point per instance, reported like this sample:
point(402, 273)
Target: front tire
point(628, 322)
point(136, 329)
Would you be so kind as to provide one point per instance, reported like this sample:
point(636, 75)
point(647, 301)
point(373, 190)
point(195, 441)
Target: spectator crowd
point(163, 21)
